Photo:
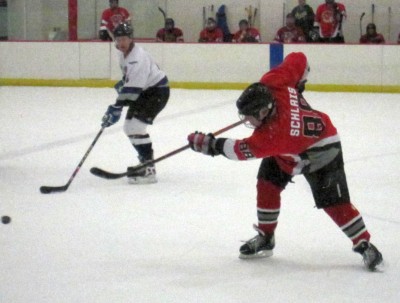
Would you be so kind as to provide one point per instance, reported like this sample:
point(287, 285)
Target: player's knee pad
point(134, 126)
point(329, 188)
point(270, 171)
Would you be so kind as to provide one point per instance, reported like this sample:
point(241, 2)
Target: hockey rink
point(178, 240)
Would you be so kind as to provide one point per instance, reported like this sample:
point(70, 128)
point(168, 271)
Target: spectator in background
point(328, 19)
point(246, 34)
point(398, 39)
point(372, 37)
point(110, 18)
point(304, 18)
point(211, 33)
point(169, 33)
point(289, 33)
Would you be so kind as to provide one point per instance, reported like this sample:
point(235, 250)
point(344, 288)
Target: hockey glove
point(112, 115)
point(314, 34)
point(103, 35)
point(203, 143)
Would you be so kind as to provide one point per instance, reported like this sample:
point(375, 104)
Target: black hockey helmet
point(169, 23)
point(255, 98)
point(123, 29)
point(371, 26)
point(243, 22)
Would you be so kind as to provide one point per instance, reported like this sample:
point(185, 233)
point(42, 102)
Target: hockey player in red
point(292, 138)
point(246, 34)
point(110, 18)
point(290, 33)
point(211, 33)
point(329, 18)
point(169, 33)
point(372, 37)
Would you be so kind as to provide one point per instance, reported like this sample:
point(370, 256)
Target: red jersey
point(299, 137)
point(173, 35)
point(290, 35)
point(112, 17)
point(372, 39)
point(215, 35)
point(250, 35)
point(328, 17)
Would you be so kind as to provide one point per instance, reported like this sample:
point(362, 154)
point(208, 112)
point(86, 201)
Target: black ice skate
point(260, 246)
point(371, 256)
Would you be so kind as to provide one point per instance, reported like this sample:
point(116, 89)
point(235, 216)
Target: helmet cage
point(123, 29)
point(254, 100)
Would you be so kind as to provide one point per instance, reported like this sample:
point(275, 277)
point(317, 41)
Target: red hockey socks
point(268, 205)
point(350, 221)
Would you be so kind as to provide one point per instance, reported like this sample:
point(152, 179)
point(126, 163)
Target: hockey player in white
point(144, 89)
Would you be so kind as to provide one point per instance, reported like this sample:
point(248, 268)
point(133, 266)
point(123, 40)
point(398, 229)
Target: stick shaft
point(48, 189)
point(373, 12)
point(85, 156)
point(389, 21)
point(361, 17)
point(177, 151)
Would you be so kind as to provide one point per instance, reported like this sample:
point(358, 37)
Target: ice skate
point(260, 246)
point(371, 256)
point(143, 175)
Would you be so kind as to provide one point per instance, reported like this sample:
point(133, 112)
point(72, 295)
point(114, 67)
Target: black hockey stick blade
point(53, 189)
point(105, 174)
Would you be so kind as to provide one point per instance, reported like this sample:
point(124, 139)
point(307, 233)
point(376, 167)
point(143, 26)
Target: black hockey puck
point(5, 219)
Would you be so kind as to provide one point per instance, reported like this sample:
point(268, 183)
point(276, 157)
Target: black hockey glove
point(112, 115)
point(314, 34)
point(104, 36)
point(203, 143)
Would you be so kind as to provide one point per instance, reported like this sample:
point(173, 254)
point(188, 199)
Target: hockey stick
point(108, 175)
point(254, 15)
point(53, 189)
point(284, 14)
point(110, 34)
point(361, 17)
point(373, 12)
point(389, 21)
point(163, 12)
point(204, 17)
point(249, 11)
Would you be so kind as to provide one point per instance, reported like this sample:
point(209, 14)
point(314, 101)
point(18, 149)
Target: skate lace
point(255, 241)
point(150, 170)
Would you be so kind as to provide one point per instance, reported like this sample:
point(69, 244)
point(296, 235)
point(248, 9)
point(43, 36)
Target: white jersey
point(140, 73)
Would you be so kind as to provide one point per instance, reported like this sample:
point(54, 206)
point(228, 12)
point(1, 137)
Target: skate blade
point(142, 180)
point(378, 268)
point(261, 254)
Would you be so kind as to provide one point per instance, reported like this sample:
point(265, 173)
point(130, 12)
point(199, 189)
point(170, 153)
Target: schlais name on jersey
point(295, 123)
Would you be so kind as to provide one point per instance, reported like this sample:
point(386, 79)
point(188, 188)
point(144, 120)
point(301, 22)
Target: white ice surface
point(178, 240)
